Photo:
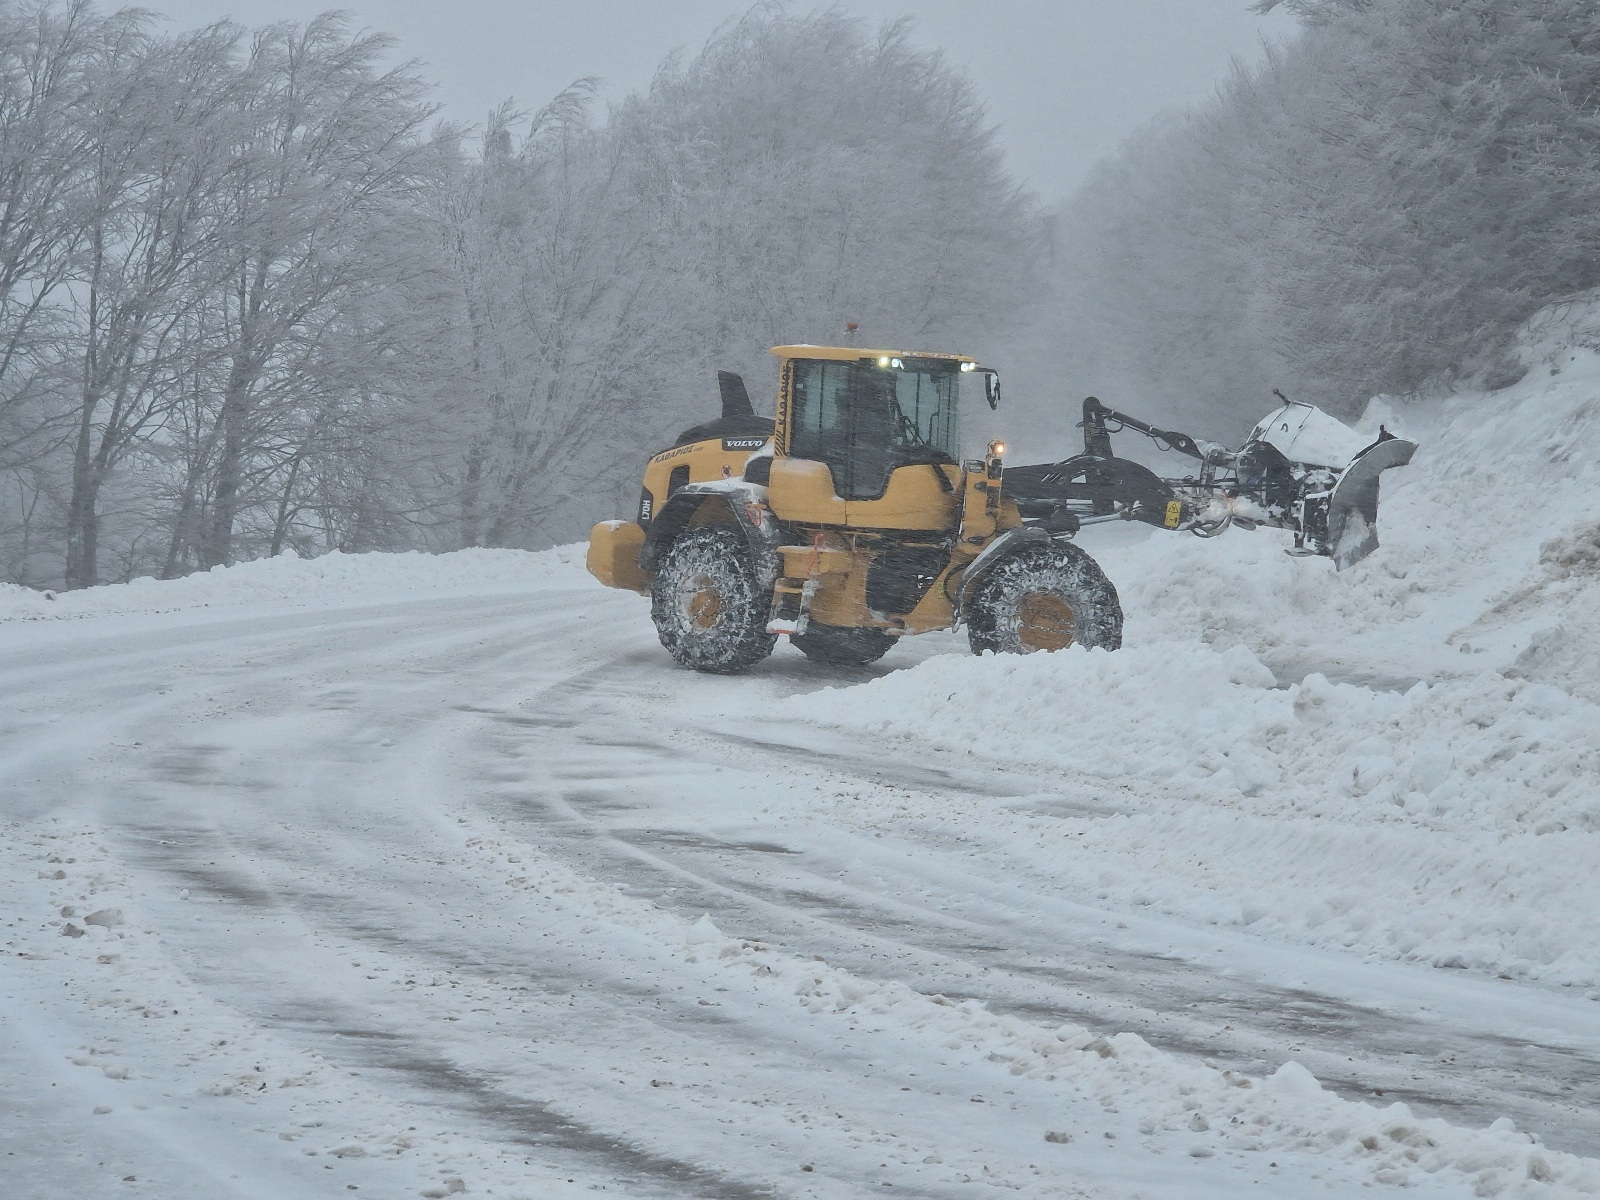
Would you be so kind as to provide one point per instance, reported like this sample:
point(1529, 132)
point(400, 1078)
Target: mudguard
point(1353, 504)
point(991, 556)
point(745, 507)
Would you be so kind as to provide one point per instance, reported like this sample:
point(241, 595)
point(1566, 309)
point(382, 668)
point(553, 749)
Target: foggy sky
point(1066, 80)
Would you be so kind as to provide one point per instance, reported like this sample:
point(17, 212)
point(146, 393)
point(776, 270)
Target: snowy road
point(411, 898)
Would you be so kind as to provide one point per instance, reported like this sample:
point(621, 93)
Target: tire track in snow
point(177, 819)
point(397, 672)
point(161, 844)
point(881, 931)
point(280, 879)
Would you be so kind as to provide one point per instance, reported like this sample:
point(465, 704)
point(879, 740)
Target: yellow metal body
point(613, 556)
point(914, 501)
point(800, 491)
point(831, 542)
point(698, 462)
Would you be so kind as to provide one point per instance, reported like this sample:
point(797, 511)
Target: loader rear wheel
point(710, 611)
point(1045, 599)
point(836, 646)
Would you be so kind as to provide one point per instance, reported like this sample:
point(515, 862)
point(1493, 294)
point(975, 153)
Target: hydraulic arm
point(1299, 470)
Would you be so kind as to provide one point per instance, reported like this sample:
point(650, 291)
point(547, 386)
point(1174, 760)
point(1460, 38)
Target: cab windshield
point(865, 419)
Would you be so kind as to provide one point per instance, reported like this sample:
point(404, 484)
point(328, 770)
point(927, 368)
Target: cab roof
point(853, 353)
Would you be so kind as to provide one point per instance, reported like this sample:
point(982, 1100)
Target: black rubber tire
point(1054, 575)
point(837, 646)
point(710, 611)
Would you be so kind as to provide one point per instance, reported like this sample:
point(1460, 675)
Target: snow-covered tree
point(152, 246)
point(331, 151)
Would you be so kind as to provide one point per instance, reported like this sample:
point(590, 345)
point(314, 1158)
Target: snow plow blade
point(1353, 504)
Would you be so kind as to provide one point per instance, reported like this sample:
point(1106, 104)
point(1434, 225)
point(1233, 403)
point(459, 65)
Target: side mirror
point(991, 388)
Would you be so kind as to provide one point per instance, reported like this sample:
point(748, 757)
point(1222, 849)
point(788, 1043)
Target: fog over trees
point(255, 298)
point(1373, 209)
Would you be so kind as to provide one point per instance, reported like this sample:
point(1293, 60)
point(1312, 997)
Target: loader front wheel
point(709, 609)
point(835, 646)
point(1046, 598)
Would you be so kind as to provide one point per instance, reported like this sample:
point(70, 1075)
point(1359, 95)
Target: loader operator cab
point(871, 438)
point(865, 418)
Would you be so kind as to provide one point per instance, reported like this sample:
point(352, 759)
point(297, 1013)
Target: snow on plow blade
point(1316, 445)
point(1353, 505)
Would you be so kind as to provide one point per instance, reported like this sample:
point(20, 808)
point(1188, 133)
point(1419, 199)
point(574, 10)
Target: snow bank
point(1491, 545)
point(1452, 824)
point(1187, 721)
point(333, 576)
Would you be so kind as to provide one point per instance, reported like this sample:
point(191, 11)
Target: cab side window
point(820, 390)
point(819, 423)
point(864, 419)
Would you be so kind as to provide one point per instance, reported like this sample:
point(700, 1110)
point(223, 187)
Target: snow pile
point(1188, 722)
point(333, 576)
point(1451, 824)
point(1491, 545)
point(1181, 715)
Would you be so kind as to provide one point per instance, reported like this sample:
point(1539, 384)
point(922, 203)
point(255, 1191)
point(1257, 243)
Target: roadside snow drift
point(331, 578)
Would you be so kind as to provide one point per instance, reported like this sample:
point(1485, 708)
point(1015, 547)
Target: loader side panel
point(801, 490)
point(920, 497)
point(697, 462)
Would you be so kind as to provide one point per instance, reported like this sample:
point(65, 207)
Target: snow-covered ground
point(411, 876)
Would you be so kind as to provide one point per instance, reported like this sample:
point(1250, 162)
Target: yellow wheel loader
point(850, 520)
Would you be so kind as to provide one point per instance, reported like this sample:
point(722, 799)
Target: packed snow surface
point(331, 578)
point(402, 875)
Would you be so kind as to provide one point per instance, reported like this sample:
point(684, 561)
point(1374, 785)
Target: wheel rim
point(703, 604)
point(1045, 622)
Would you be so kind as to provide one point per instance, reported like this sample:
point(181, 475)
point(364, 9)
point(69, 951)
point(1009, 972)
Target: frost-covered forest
point(1373, 209)
point(256, 298)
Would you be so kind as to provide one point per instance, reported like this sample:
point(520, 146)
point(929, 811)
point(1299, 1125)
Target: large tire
point(710, 611)
point(837, 646)
point(1045, 598)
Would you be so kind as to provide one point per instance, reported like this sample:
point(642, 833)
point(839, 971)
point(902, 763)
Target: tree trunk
point(280, 527)
point(471, 496)
point(82, 529)
point(218, 547)
point(183, 528)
